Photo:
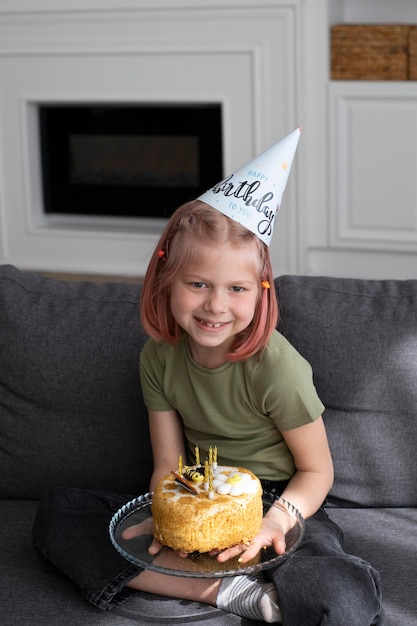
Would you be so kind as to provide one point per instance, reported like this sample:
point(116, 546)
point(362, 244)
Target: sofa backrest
point(360, 337)
point(71, 411)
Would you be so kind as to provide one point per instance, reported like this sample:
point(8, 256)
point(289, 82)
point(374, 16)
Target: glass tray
point(195, 565)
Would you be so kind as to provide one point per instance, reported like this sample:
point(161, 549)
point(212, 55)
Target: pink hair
point(192, 224)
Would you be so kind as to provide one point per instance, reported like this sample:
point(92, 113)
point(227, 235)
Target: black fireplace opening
point(128, 160)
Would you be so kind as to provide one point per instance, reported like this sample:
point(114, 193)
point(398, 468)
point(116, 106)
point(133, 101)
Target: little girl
point(216, 370)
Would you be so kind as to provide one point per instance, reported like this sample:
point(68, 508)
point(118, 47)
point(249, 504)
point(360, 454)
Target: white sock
point(250, 596)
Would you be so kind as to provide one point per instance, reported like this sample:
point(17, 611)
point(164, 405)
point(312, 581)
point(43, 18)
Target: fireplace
point(139, 160)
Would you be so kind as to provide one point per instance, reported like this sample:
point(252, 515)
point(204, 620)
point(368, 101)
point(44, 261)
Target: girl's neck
point(209, 358)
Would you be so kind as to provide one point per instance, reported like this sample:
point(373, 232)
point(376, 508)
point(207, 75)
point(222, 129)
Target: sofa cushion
point(360, 337)
point(71, 411)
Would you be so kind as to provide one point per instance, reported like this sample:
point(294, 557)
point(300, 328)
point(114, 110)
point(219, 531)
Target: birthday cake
point(201, 508)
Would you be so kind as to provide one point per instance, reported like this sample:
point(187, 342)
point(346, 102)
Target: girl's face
point(215, 299)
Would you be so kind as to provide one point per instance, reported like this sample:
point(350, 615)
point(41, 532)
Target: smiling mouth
point(210, 324)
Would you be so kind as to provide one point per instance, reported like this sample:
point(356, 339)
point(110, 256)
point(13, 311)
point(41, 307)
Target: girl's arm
point(313, 478)
point(167, 441)
point(306, 490)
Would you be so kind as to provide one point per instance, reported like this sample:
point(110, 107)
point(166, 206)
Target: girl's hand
point(144, 528)
point(271, 534)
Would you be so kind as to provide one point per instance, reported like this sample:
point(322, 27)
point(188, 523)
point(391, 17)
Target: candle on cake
point(211, 488)
point(215, 458)
point(206, 475)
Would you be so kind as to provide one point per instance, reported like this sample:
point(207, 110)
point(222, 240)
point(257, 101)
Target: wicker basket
point(412, 54)
point(370, 52)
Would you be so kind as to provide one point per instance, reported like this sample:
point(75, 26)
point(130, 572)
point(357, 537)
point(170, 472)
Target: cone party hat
point(252, 195)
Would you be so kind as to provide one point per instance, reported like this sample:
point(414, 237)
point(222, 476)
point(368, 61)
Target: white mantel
point(250, 58)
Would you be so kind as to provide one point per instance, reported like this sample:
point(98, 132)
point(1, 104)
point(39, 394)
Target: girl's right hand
point(146, 528)
point(143, 528)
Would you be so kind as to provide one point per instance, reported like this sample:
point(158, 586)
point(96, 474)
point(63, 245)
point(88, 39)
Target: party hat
point(252, 195)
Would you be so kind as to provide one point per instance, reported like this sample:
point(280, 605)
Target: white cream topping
point(226, 481)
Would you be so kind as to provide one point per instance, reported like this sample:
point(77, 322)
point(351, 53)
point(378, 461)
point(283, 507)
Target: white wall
point(372, 192)
point(139, 51)
point(268, 64)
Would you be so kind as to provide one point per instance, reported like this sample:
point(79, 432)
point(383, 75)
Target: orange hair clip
point(161, 253)
point(265, 284)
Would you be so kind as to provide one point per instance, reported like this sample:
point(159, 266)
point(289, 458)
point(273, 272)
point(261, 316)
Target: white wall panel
point(373, 165)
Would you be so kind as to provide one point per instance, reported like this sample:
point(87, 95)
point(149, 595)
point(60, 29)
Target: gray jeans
point(318, 585)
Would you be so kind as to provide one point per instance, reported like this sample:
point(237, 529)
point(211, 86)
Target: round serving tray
point(196, 565)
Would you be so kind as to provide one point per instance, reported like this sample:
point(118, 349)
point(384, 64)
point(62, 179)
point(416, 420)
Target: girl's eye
point(237, 289)
point(198, 285)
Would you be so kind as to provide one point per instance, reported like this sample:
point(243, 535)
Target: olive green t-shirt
point(239, 407)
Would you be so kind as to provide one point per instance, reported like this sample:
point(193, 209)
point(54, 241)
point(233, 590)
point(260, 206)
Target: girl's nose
point(215, 303)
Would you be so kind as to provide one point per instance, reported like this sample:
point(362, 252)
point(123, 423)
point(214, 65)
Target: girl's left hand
point(271, 534)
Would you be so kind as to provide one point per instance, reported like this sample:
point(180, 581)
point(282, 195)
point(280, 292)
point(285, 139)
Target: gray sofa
point(71, 413)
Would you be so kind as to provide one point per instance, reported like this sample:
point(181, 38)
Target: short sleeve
point(285, 386)
point(152, 368)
